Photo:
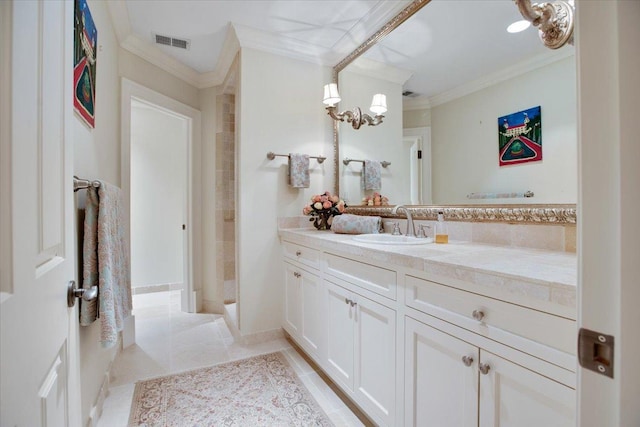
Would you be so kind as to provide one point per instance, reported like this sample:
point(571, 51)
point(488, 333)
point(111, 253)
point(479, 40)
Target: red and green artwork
point(84, 63)
point(520, 137)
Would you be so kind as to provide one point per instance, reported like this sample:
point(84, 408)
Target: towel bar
point(499, 195)
point(347, 160)
point(271, 155)
point(80, 184)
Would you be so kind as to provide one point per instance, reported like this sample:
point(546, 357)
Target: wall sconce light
point(356, 117)
point(554, 21)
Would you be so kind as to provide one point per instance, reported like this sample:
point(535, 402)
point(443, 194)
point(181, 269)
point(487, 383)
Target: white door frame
point(425, 134)
point(607, 41)
point(131, 91)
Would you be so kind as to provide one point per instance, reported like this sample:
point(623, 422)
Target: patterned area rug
point(259, 391)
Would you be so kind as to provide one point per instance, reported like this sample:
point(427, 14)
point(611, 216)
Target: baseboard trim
point(96, 410)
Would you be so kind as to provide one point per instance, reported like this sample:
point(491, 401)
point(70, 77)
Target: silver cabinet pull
point(467, 360)
point(347, 300)
point(85, 294)
point(484, 368)
point(353, 303)
point(298, 253)
point(296, 274)
point(478, 315)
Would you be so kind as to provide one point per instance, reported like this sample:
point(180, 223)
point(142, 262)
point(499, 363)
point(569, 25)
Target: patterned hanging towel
point(106, 263)
point(372, 178)
point(299, 170)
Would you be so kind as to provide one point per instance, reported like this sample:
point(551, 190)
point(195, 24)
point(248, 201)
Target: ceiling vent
point(409, 94)
point(172, 41)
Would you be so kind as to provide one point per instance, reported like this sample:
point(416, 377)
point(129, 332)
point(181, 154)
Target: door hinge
point(419, 154)
point(595, 352)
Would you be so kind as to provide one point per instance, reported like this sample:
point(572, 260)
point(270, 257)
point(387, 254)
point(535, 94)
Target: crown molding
point(417, 103)
point(518, 69)
point(380, 70)
point(152, 54)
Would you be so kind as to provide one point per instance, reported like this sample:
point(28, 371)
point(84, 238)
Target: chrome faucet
point(411, 231)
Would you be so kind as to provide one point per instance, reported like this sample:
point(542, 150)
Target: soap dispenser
point(441, 229)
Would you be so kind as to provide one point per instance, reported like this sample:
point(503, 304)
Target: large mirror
point(449, 73)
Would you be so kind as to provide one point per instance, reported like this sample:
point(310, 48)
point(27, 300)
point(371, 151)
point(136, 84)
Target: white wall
point(97, 156)
point(280, 110)
point(464, 140)
point(382, 142)
point(211, 293)
point(158, 195)
point(140, 71)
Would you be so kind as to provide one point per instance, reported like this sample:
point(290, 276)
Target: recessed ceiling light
point(518, 26)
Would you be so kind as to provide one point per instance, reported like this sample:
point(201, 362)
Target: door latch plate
point(595, 351)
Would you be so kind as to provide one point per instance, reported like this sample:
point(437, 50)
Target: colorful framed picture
point(520, 137)
point(84, 63)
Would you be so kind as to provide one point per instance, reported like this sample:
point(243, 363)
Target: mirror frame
point(511, 213)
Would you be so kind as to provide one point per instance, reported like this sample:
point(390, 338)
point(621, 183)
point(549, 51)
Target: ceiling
point(443, 46)
point(322, 31)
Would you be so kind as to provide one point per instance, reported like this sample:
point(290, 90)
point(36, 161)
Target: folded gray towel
point(356, 224)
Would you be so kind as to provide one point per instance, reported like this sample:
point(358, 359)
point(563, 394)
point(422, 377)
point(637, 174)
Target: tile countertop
point(544, 276)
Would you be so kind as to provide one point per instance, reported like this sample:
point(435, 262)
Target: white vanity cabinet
point(302, 294)
point(449, 381)
point(413, 345)
point(361, 349)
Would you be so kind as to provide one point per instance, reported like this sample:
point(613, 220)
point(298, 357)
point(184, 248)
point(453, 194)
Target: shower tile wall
point(225, 194)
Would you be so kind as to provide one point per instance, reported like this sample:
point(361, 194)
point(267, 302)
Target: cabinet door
point(375, 359)
point(511, 395)
point(440, 388)
point(340, 332)
point(292, 300)
point(310, 288)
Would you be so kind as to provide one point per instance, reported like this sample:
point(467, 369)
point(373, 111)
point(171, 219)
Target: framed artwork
point(84, 63)
point(520, 137)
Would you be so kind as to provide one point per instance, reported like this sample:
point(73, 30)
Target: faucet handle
point(422, 233)
point(396, 229)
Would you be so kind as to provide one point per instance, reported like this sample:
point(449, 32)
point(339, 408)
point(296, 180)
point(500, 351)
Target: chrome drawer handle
point(484, 368)
point(467, 360)
point(298, 253)
point(478, 315)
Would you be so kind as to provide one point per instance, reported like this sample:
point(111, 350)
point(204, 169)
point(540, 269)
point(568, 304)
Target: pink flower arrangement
point(376, 199)
point(322, 207)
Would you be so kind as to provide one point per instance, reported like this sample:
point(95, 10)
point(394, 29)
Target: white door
point(375, 358)
point(511, 395)
point(340, 315)
point(310, 298)
point(441, 378)
point(292, 306)
point(39, 369)
point(413, 147)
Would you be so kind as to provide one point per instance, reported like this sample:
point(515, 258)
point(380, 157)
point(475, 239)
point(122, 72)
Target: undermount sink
point(390, 239)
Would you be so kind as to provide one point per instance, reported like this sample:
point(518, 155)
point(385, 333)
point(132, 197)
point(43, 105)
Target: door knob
point(85, 294)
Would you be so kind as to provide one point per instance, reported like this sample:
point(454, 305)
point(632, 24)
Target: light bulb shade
point(379, 103)
point(331, 95)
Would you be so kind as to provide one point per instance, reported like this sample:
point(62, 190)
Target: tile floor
point(169, 341)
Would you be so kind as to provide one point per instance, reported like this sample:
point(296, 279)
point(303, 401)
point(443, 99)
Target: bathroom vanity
point(462, 334)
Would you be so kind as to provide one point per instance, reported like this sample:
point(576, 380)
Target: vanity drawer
point(480, 313)
point(302, 254)
point(370, 277)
